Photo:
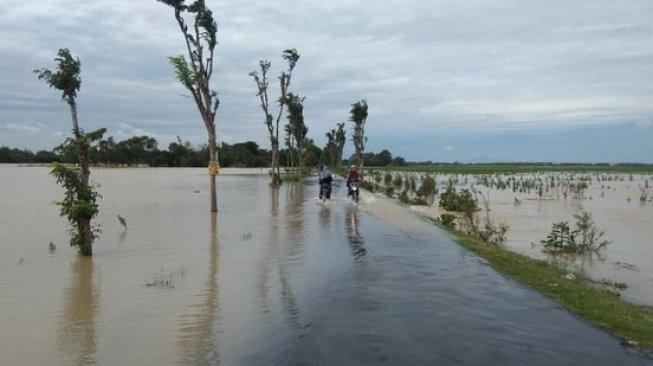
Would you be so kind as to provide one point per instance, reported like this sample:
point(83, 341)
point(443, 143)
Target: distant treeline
point(144, 151)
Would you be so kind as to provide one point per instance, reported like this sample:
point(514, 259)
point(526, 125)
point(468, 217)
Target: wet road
point(274, 279)
point(418, 299)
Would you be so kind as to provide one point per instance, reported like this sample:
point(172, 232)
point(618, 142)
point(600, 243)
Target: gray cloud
point(425, 67)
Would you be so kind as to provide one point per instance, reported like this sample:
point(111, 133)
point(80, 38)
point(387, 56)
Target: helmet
point(353, 167)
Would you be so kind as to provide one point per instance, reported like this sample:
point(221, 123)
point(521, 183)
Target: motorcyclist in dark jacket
point(324, 179)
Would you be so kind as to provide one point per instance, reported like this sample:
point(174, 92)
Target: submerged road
point(414, 297)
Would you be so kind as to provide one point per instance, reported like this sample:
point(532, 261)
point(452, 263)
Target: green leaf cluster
point(586, 237)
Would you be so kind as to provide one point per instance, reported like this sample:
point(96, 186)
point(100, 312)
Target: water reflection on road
point(275, 278)
point(356, 241)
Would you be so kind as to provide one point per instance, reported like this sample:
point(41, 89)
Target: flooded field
point(273, 278)
point(620, 204)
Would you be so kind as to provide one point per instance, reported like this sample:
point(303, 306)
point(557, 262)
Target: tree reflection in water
point(78, 318)
point(199, 334)
point(356, 241)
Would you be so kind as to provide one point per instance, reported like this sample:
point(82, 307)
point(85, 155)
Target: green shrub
point(447, 220)
point(387, 179)
point(397, 181)
point(585, 237)
point(464, 201)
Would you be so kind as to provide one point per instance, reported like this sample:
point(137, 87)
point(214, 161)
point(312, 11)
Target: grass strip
point(632, 323)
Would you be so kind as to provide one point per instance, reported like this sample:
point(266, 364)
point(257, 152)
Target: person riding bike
point(352, 177)
point(324, 179)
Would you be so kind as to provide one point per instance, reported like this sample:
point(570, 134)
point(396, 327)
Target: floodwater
point(273, 279)
point(616, 209)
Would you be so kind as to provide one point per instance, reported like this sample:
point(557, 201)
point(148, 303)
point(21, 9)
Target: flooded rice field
point(620, 204)
point(273, 279)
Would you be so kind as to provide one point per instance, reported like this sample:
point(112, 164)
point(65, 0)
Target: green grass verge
point(632, 323)
point(513, 169)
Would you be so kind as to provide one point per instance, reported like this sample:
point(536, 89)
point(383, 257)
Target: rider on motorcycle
point(352, 177)
point(324, 178)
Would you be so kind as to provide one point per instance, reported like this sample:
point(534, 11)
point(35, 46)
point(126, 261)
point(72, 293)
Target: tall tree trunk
point(300, 155)
point(213, 159)
point(87, 247)
point(275, 165)
point(82, 157)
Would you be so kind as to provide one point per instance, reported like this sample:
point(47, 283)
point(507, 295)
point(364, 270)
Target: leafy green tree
point(290, 145)
point(384, 158)
point(335, 144)
point(330, 149)
point(195, 74)
point(44, 156)
point(291, 56)
point(314, 155)
point(80, 199)
point(358, 115)
point(298, 128)
point(8, 155)
point(340, 139)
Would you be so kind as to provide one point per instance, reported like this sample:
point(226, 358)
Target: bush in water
point(585, 237)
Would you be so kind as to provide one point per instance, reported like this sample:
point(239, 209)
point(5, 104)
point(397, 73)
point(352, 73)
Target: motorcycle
point(325, 191)
point(353, 191)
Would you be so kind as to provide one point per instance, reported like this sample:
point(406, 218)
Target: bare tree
point(196, 75)
point(272, 124)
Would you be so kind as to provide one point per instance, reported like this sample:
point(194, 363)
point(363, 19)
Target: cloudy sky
point(446, 80)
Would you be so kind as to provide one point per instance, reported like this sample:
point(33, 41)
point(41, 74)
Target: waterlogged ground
point(612, 199)
point(273, 279)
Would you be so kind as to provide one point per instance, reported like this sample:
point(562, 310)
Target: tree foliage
point(66, 77)
point(585, 237)
point(358, 115)
point(297, 128)
point(336, 139)
point(79, 203)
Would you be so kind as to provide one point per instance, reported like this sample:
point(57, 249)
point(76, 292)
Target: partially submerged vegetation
point(466, 215)
point(510, 168)
point(630, 322)
point(79, 205)
point(586, 237)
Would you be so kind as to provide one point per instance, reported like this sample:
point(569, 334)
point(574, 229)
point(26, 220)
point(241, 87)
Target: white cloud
point(25, 126)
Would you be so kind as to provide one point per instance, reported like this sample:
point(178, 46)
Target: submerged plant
point(447, 220)
point(586, 237)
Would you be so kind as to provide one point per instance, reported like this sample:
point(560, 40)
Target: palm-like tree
point(358, 115)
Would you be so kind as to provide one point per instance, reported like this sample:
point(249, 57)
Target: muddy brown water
point(273, 278)
point(616, 209)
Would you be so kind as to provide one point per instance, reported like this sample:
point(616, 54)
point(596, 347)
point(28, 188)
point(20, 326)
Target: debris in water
point(122, 221)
